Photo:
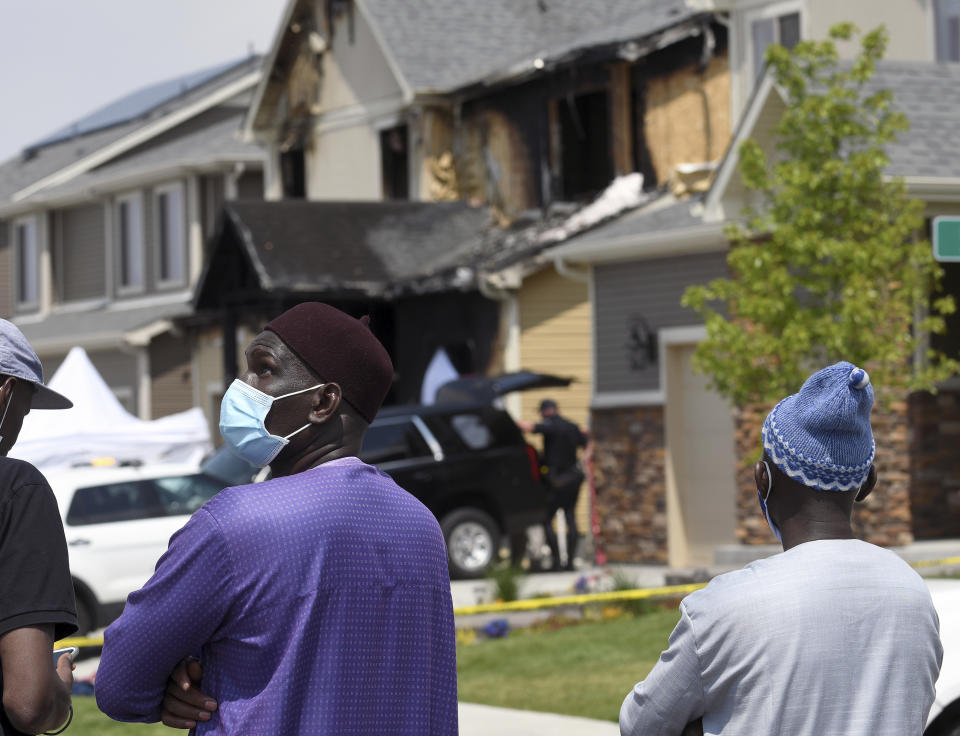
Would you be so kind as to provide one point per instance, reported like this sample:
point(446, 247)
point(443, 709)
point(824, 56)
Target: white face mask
point(763, 503)
point(243, 413)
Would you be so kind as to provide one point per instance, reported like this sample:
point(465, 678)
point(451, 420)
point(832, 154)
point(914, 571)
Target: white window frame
point(179, 190)
point(32, 223)
point(136, 199)
point(769, 12)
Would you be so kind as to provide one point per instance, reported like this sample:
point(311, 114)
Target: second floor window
point(130, 243)
point(168, 215)
point(28, 271)
point(782, 28)
point(395, 163)
point(947, 29)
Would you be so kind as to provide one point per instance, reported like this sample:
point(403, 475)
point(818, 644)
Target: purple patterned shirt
point(320, 604)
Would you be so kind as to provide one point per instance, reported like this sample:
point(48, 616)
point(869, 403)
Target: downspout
point(569, 272)
point(511, 346)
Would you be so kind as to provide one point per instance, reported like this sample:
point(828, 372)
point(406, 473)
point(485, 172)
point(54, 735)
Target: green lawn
point(584, 670)
point(89, 721)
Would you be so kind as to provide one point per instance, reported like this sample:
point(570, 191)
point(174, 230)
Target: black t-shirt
point(561, 438)
point(35, 583)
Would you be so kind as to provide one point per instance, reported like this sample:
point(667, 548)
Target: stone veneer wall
point(630, 480)
point(884, 518)
point(935, 464)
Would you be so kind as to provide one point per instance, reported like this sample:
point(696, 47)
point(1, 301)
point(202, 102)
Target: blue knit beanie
point(821, 436)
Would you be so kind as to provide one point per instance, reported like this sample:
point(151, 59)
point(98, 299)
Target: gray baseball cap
point(17, 359)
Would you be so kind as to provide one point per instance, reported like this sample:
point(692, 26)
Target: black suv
point(467, 461)
point(463, 458)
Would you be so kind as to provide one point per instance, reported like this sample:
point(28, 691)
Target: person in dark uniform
point(561, 439)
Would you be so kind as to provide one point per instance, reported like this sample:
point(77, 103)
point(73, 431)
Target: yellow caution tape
point(936, 563)
point(79, 641)
point(534, 604)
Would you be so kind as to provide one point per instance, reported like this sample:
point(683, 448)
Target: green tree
point(831, 265)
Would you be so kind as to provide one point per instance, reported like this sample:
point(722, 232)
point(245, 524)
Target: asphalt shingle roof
point(929, 95)
point(41, 161)
point(373, 248)
point(443, 45)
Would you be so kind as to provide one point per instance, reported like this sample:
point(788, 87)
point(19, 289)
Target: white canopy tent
point(98, 426)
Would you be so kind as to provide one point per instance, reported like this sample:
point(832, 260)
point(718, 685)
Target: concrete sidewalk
point(485, 720)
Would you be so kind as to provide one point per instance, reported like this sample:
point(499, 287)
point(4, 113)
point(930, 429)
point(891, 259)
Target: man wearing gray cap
point(37, 606)
point(834, 635)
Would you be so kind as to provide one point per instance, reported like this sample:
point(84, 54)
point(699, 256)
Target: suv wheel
point(471, 536)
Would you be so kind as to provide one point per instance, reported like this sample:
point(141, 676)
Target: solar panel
point(136, 104)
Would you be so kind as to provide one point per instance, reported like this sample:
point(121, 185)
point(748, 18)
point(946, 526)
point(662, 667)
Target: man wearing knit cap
point(317, 602)
point(834, 635)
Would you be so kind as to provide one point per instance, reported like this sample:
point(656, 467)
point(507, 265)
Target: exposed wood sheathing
point(687, 118)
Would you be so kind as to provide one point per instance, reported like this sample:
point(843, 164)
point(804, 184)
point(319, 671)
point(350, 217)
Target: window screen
point(114, 502)
point(27, 276)
point(170, 235)
point(387, 442)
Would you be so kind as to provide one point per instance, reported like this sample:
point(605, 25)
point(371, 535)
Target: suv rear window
point(141, 499)
point(472, 430)
point(393, 440)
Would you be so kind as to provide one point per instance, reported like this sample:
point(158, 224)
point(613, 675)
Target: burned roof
point(444, 45)
point(341, 249)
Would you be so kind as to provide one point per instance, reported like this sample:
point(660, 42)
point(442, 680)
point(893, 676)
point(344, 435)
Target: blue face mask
point(763, 503)
point(243, 412)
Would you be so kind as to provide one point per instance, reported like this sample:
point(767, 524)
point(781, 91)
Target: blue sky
point(60, 59)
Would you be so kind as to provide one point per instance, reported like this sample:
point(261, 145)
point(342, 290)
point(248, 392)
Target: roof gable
point(927, 93)
point(54, 163)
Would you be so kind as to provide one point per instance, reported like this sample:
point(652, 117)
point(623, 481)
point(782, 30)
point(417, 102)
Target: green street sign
point(946, 238)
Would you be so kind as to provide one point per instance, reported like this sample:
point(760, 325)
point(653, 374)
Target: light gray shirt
point(830, 637)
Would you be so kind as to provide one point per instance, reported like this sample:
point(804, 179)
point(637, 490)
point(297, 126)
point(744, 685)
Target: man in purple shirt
point(318, 602)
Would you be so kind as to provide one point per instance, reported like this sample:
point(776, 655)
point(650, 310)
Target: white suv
point(118, 521)
point(944, 719)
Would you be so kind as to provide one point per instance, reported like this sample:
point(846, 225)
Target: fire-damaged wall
point(565, 133)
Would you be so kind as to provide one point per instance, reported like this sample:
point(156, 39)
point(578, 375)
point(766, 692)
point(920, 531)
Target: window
point(947, 29)
point(470, 428)
point(130, 243)
point(169, 230)
point(293, 174)
point(585, 155)
point(772, 27)
point(184, 494)
point(387, 441)
point(395, 163)
point(28, 261)
point(128, 501)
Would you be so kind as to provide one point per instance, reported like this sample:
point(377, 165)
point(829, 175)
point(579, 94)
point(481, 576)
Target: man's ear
point(7, 389)
point(326, 402)
point(760, 476)
point(868, 484)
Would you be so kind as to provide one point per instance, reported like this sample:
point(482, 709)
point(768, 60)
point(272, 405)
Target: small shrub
point(506, 582)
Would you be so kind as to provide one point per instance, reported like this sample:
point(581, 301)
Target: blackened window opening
point(395, 163)
point(293, 174)
point(585, 157)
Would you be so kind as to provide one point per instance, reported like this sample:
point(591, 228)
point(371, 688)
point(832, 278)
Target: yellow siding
point(555, 324)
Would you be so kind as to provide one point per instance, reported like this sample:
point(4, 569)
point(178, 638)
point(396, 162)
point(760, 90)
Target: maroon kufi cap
point(339, 349)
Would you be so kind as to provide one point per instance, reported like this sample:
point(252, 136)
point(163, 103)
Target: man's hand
point(525, 426)
point(183, 703)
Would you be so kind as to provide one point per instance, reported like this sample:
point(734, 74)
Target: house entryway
point(700, 459)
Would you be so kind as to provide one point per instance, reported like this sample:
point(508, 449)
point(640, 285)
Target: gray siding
point(118, 369)
point(626, 292)
point(80, 253)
